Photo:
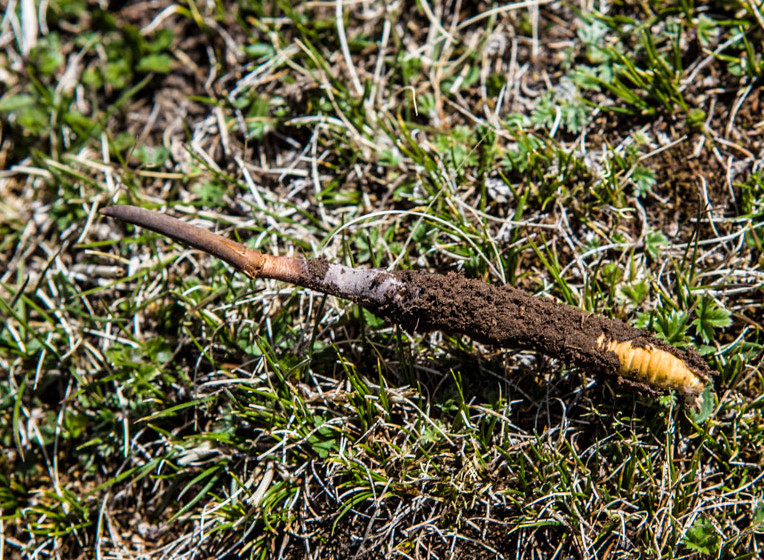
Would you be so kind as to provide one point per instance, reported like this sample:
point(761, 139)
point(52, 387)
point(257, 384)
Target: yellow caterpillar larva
point(654, 366)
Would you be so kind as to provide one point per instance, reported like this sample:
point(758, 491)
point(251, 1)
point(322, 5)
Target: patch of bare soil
point(687, 181)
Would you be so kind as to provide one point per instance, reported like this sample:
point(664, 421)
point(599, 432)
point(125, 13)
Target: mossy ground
point(154, 405)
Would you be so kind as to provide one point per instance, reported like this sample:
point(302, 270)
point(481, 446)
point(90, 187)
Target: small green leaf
point(11, 103)
point(34, 120)
point(701, 537)
point(160, 63)
point(673, 327)
point(758, 514)
point(709, 318)
point(47, 55)
point(118, 73)
point(152, 156)
point(644, 180)
point(636, 292)
point(79, 122)
point(654, 242)
point(696, 118)
point(372, 320)
point(161, 40)
point(92, 77)
point(121, 142)
point(708, 30)
point(210, 193)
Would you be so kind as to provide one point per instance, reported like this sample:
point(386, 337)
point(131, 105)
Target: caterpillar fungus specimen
point(502, 316)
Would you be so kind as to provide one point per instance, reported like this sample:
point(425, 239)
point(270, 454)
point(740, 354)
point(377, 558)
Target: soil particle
point(316, 270)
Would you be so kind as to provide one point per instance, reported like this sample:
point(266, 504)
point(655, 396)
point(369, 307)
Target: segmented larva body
point(654, 366)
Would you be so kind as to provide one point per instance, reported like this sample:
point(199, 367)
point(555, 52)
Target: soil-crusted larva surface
point(512, 318)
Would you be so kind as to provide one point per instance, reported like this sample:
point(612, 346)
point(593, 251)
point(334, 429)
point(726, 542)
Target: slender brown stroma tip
point(502, 316)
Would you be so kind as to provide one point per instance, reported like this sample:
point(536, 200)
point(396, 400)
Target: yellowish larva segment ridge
point(654, 366)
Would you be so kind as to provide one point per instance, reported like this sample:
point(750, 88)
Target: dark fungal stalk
point(496, 315)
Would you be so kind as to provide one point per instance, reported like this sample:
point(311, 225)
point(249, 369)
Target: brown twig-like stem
point(498, 315)
point(252, 263)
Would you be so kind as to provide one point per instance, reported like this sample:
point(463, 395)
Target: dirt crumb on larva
point(316, 269)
